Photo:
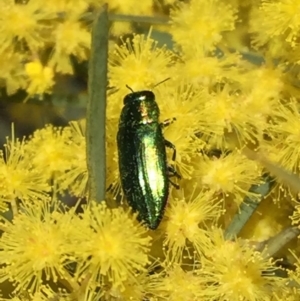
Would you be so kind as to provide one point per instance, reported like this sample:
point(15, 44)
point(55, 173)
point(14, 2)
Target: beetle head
point(139, 96)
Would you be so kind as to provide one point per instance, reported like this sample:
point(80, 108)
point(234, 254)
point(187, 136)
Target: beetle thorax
point(148, 112)
point(139, 108)
point(139, 112)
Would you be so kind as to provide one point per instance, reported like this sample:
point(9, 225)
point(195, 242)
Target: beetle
point(143, 167)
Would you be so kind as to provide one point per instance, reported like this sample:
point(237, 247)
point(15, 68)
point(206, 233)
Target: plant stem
point(248, 207)
point(139, 19)
point(159, 20)
point(274, 244)
point(96, 109)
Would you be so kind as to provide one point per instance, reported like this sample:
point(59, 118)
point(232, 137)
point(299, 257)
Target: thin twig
point(160, 20)
point(96, 109)
point(248, 207)
point(139, 19)
point(274, 244)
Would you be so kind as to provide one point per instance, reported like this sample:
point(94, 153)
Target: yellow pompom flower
point(12, 75)
point(70, 37)
point(50, 151)
point(230, 175)
point(185, 222)
point(178, 99)
point(205, 70)
point(223, 113)
point(24, 23)
point(35, 244)
point(117, 246)
point(40, 78)
point(18, 177)
point(284, 130)
point(201, 23)
point(139, 63)
point(233, 271)
point(175, 284)
point(261, 90)
point(276, 19)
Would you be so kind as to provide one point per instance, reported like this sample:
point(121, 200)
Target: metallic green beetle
point(143, 164)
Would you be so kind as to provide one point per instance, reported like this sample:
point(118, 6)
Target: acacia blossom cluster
point(223, 103)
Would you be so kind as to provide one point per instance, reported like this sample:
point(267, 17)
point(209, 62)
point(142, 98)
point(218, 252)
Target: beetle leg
point(109, 188)
point(167, 122)
point(175, 185)
point(171, 145)
point(173, 172)
point(164, 124)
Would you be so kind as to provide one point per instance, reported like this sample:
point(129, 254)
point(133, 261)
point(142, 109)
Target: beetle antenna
point(161, 82)
point(129, 88)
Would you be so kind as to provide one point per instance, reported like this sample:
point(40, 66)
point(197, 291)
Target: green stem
point(139, 19)
point(159, 20)
point(274, 244)
point(248, 207)
point(96, 109)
